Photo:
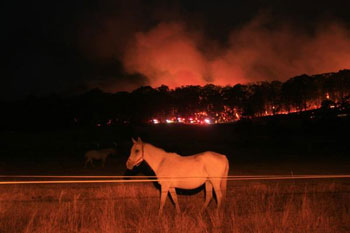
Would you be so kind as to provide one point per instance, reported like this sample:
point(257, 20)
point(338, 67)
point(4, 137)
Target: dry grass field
point(253, 148)
point(320, 206)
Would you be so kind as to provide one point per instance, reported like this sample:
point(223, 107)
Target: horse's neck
point(153, 156)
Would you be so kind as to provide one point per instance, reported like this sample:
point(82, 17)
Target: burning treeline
point(187, 104)
point(216, 104)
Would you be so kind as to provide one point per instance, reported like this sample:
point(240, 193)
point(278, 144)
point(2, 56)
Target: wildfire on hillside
point(229, 115)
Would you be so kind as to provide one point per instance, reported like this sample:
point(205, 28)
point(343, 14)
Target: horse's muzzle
point(131, 164)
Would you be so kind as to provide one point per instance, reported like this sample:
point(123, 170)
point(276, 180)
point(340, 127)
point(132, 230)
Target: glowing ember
point(109, 122)
point(237, 116)
point(169, 121)
point(155, 121)
point(181, 120)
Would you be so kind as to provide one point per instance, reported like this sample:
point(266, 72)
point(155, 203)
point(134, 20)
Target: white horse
point(185, 172)
point(101, 154)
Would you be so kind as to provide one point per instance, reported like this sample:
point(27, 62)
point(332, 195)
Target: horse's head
point(136, 154)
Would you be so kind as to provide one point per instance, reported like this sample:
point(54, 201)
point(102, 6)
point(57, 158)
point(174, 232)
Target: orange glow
point(170, 54)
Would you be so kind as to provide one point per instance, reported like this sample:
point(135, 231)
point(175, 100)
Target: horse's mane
point(161, 150)
point(155, 147)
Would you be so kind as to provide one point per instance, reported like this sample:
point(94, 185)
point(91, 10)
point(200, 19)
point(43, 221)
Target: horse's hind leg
point(174, 197)
point(208, 194)
point(217, 189)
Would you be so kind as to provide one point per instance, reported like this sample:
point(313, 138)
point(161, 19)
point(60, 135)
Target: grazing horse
point(185, 172)
point(101, 154)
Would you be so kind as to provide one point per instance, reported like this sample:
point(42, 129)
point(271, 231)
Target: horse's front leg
point(163, 194)
point(92, 163)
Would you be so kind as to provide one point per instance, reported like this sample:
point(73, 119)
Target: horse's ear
point(133, 140)
point(139, 140)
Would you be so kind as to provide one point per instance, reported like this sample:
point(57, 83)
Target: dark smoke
point(175, 53)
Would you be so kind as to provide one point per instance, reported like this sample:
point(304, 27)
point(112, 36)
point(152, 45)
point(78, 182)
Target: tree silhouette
point(254, 99)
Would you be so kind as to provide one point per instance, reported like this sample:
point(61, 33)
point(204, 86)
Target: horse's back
point(107, 151)
point(195, 162)
point(211, 155)
point(215, 163)
point(97, 154)
point(90, 153)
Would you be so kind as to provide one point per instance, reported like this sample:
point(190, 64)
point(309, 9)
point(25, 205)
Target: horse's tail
point(224, 181)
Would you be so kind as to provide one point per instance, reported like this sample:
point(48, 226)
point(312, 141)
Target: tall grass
point(321, 207)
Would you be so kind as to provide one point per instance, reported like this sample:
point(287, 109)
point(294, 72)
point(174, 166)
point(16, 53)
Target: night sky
point(68, 47)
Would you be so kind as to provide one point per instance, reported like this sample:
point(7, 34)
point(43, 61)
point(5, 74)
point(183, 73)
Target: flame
point(229, 115)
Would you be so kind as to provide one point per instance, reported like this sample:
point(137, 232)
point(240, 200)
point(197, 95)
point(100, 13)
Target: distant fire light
point(231, 114)
point(207, 121)
point(181, 120)
point(237, 116)
point(169, 121)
